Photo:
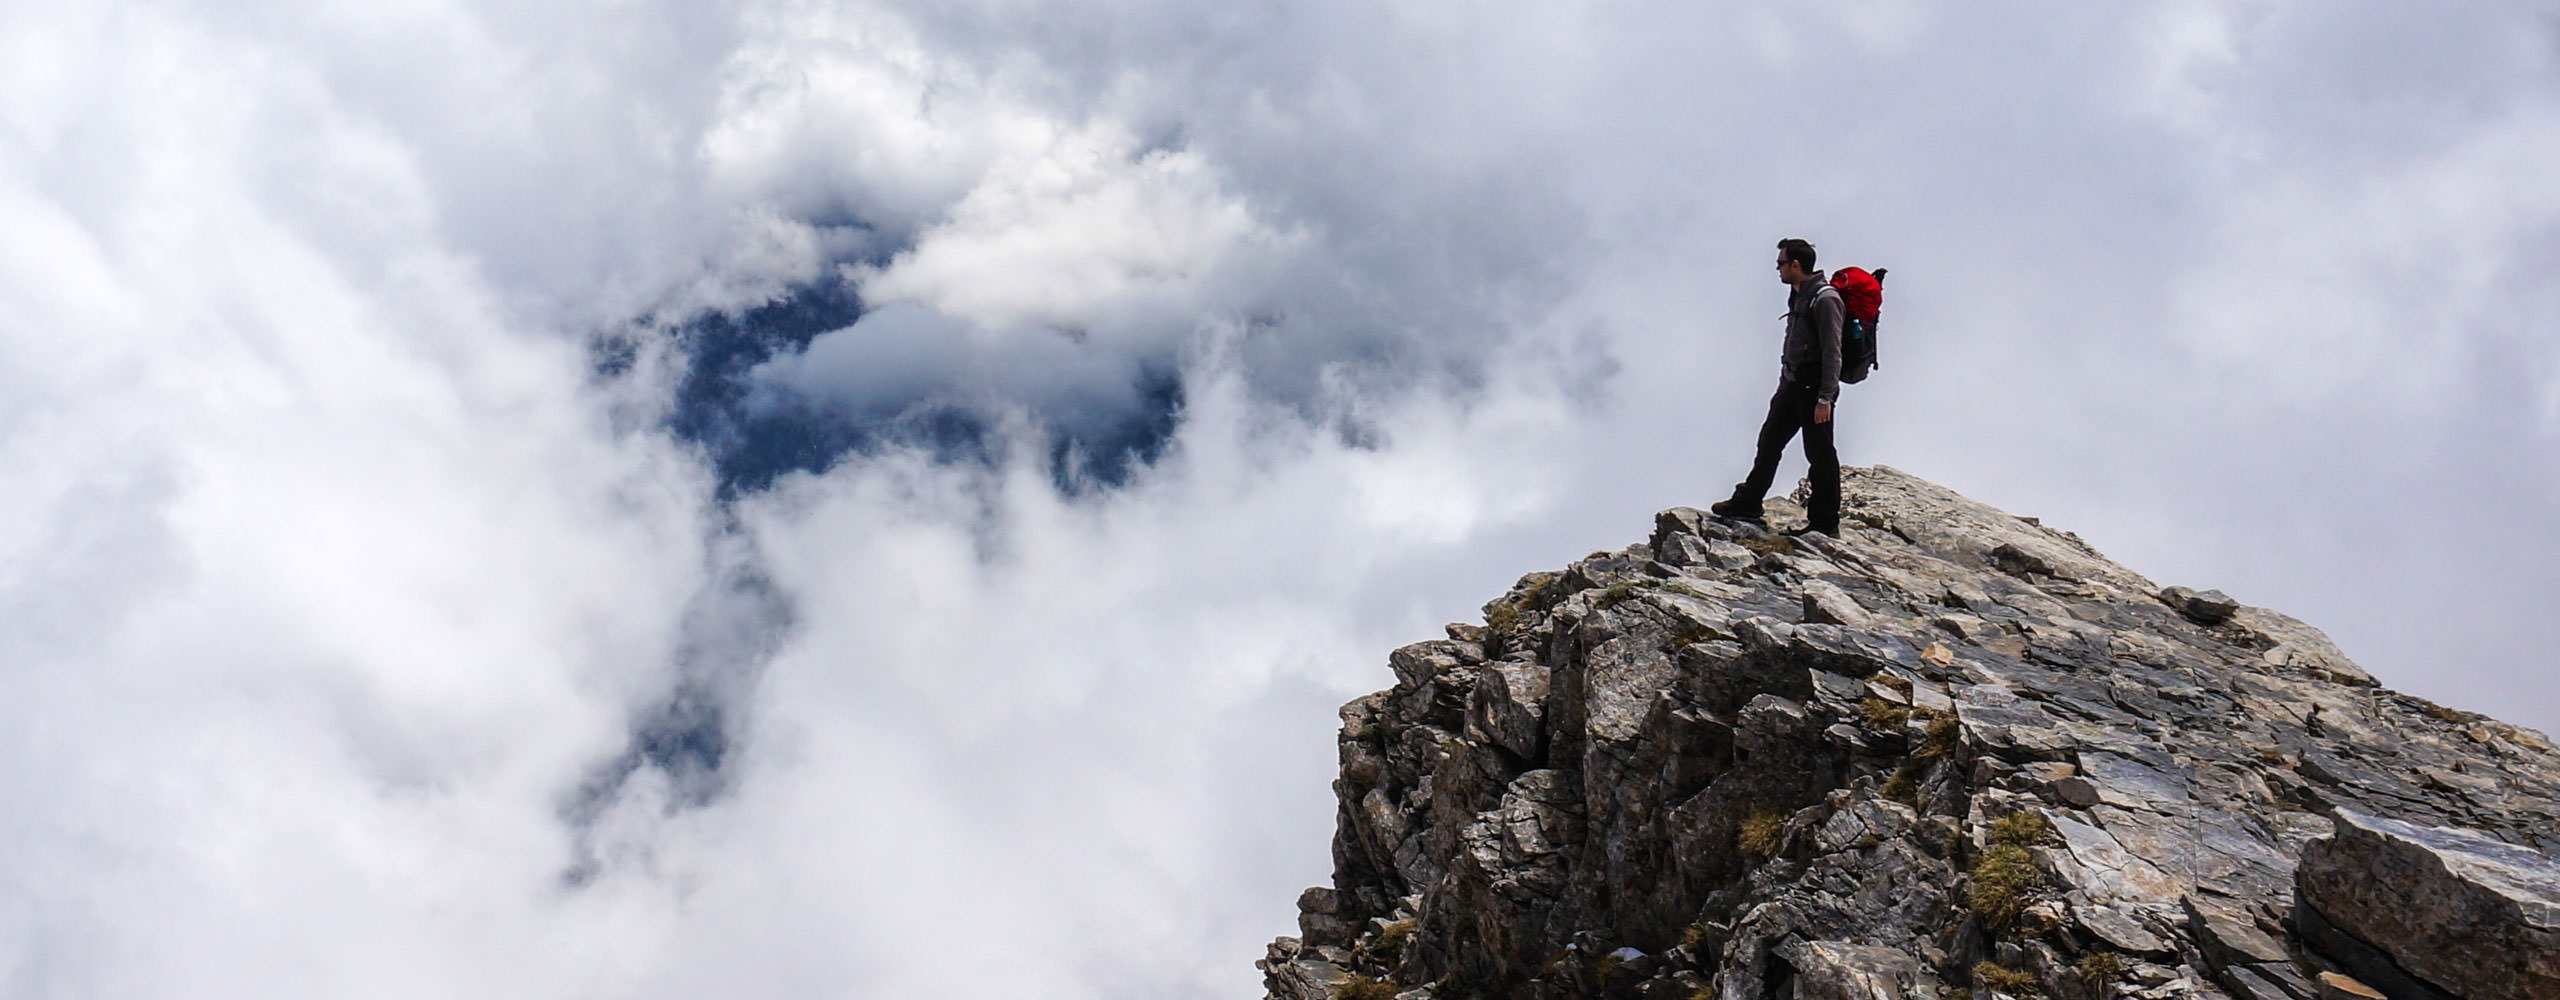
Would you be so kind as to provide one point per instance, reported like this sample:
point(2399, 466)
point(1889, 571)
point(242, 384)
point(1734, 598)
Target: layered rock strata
point(1951, 752)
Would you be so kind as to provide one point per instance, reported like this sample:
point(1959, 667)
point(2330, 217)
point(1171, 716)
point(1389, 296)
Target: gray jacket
point(1811, 359)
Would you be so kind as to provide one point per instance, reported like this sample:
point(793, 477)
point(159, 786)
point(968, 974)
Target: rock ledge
point(1952, 753)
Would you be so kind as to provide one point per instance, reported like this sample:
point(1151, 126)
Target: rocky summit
point(1952, 752)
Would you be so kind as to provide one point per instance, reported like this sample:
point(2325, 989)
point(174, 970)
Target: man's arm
point(1828, 315)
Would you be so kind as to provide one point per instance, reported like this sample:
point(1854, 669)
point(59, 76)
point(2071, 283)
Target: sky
point(882, 499)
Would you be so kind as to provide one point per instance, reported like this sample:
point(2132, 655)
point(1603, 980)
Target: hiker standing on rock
point(1808, 385)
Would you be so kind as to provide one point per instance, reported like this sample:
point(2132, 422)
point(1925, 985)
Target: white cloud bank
point(330, 570)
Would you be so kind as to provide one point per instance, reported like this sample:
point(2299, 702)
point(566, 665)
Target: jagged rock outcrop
point(2468, 915)
point(1952, 752)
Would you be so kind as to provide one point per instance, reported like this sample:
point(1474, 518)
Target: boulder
point(2204, 607)
point(1839, 970)
point(1829, 605)
point(2470, 915)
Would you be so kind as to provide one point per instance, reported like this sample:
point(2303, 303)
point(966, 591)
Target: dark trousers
point(1791, 410)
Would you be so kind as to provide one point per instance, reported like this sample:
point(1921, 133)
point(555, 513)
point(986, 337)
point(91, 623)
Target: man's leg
point(1786, 415)
point(1823, 513)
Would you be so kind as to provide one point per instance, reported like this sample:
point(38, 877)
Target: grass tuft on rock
point(1690, 635)
point(1882, 714)
point(1685, 590)
point(1365, 988)
point(1994, 976)
point(2098, 968)
point(1769, 544)
point(1941, 739)
point(1388, 948)
point(1504, 620)
point(1904, 786)
point(1759, 835)
point(2024, 828)
point(2002, 878)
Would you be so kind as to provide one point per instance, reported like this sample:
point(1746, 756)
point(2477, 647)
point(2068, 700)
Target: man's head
point(1795, 260)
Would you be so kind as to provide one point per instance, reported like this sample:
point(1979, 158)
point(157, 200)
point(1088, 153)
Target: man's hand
point(1821, 413)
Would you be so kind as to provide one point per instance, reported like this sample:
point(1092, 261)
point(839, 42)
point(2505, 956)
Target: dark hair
point(1796, 250)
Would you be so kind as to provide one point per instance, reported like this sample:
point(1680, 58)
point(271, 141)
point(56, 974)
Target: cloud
point(372, 630)
point(1059, 239)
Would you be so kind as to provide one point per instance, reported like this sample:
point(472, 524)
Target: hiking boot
point(1811, 530)
point(1735, 509)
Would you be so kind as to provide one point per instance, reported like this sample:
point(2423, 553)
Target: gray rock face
point(2475, 917)
point(1952, 753)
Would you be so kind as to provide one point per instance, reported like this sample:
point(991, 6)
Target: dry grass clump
point(1941, 739)
point(1767, 544)
point(1692, 634)
point(1388, 949)
point(1759, 835)
point(1504, 619)
point(1365, 988)
point(1683, 589)
point(2098, 968)
point(1882, 714)
point(1904, 786)
point(1994, 976)
point(2024, 828)
point(2002, 879)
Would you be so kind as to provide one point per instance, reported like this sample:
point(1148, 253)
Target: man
point(1808, 385)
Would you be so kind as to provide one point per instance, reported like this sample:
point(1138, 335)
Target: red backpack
point(1863, 295)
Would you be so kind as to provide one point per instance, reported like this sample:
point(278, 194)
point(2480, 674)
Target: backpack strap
point(1818, 293)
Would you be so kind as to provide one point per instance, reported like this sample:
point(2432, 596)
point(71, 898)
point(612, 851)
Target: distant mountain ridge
point(1954, 752)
